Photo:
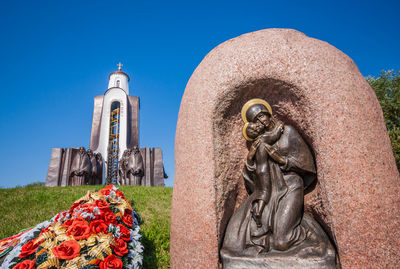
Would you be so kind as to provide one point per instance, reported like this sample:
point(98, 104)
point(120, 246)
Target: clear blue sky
point(56, 56)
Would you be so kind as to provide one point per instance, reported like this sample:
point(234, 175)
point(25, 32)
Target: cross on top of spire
point(119, 66)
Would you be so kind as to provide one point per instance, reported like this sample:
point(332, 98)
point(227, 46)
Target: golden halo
point(245, 132)
point(254, 102)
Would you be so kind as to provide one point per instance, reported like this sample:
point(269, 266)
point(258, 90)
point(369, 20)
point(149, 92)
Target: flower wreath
point(100, 230)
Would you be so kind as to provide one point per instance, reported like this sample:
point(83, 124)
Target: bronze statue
point(80, 168)
point(93, 167)
point(269, 230)
point(99, 165)
point(130, 167)
point(134, 169)
point(122, 167)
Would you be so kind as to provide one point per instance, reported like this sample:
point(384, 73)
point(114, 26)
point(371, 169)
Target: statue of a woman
point(134, 168)
point(80, 168)
point(93, 167)
point(99, 163)
point(269, 230)
point(122, 167)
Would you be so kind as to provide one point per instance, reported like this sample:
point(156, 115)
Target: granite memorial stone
point(319, 91)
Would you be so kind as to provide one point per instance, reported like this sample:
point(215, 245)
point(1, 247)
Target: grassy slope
point(21, 208)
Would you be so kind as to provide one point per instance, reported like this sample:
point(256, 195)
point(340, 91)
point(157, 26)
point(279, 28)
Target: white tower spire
point(119, 79)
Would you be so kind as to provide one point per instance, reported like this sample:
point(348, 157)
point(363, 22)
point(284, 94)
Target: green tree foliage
point(387, 89)
point(35, 184)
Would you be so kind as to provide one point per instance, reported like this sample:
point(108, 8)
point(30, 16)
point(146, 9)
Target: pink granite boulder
point(319, 90)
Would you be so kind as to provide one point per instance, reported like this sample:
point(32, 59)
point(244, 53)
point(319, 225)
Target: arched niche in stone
point(320, 91)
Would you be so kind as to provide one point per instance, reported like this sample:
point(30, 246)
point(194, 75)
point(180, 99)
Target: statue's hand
point(275, 155)
point(253, 150)
point(285, 165)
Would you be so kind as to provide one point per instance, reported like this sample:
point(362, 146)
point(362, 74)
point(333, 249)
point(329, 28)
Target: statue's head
point(253, 130)
point(264, 119)
point(258, 112)
point(82, 149)
point(135, 149)
point(90, 152)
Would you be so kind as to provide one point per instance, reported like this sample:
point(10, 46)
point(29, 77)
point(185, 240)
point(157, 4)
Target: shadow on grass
point(149, 257)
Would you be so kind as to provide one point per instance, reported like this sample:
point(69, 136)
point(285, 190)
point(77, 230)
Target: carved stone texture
point(66, 166)
point(133, 118)
point(54, 171)
point(147, 178)
point(318, 90)
point(144, 157)
point(158, 167)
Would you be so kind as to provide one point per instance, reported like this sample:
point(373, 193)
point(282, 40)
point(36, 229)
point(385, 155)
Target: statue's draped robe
point(93, 168)
point(282, 190)
point(80, 169)
point(135, 168)
point(122, 166)
point(99, 163)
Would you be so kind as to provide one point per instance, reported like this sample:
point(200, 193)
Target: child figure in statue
point(266, 139)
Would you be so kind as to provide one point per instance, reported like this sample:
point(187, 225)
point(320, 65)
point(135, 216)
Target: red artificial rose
point(120, 248)
point(87, 205)
point(75, 205)
point(68, 223)
point(79, 229)
point(111, 262)
point(59, 215)
point(45, 230)
point(29, 248)
point(125, 233)
point(128, 220)
point(119, 194)
point(102, 204)
point(109, 187)
point(98, 226)
point(27, 264)
point(67, 250)
point(103, 213)
point(110, 218)
point(128, 211)
point(106, 190)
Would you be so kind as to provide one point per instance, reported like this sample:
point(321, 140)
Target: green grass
point(22, 208)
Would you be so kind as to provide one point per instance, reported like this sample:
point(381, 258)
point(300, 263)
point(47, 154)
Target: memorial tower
point(114, 136)
point(115, 123)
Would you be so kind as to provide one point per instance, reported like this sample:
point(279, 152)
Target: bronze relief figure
point(134, 167)
point(131, 168)
point(93, 167)
point(80, 168)
point(270, 230)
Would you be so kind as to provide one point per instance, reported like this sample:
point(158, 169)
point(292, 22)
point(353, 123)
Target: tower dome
point(119, 79)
